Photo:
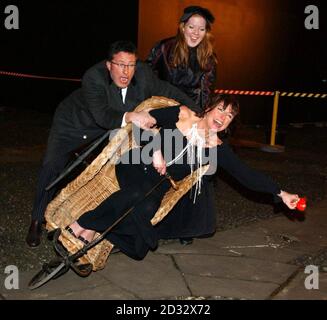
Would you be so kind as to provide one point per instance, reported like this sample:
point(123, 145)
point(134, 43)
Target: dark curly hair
point(227, 100)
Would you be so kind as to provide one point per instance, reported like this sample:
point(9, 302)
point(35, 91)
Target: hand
point(159, 162)
point(289, 199)
point(142, 119)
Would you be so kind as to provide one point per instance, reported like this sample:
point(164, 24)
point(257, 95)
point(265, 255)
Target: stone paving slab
point(240, 268)
point(249, 262)
point(219, 288)
point(254, 244)
point(316, 218)
point(274, 226)
point(155, 277)
point(296, 289)
point(311, 216)
point(261, 240)
point(104, 292)
point(282, 255)
point(312, 230)
point(199, 246)
point(68, 283)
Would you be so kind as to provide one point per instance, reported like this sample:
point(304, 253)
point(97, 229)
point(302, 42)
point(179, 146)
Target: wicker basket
point(96, 183)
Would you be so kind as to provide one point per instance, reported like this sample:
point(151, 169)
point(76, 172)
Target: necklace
point(193, 148)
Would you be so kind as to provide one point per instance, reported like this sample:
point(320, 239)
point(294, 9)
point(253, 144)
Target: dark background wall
point(261, 45)
point(61, 39)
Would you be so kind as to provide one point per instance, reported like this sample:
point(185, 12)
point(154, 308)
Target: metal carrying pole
point(60, 265)
point(79, 160)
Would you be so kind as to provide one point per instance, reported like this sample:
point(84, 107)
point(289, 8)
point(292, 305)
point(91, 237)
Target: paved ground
point(258, 252)
point(263, 260)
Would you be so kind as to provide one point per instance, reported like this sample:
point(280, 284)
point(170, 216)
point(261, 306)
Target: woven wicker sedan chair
point(96, 183)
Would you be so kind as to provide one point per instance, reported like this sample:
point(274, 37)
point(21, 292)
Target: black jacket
point(97, 107)
point(196, 83)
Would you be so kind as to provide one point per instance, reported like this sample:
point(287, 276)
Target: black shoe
point(185, 241)
point(34, 234)
point(114, 250)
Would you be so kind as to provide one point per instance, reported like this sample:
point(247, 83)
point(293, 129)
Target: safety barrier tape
point(246, 93)
point(236, 92)
point(23, 75)
point(271, 93)
point(303, 95)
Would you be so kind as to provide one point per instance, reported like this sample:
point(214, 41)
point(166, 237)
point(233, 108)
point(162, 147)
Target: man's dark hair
point(121, 46)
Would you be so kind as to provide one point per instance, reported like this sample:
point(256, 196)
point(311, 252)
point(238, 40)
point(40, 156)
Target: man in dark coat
point(109, 93)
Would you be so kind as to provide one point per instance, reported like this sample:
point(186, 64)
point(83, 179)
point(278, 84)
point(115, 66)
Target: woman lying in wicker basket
point(195, 144)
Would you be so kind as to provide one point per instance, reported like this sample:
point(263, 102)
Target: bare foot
point(88, 234)
point(80, 233)
point(76, 228)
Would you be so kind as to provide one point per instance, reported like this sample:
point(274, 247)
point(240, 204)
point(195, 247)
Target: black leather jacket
point(196, 83)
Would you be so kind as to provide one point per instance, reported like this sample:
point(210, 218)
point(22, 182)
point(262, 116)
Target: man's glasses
point(123, 66)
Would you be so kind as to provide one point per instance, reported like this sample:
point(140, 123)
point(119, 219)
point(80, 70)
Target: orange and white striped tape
point(303, 95)
point(24, 75)
point(271, 93)
point(223, 91)
point(246, 93)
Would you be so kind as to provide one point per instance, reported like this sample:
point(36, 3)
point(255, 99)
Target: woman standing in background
point(188, 61)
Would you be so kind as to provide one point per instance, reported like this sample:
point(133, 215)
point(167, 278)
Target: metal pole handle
point(172, 182)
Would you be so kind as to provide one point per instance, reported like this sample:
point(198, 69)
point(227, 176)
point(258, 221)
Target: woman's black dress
point(187, 220)
point(135, 235)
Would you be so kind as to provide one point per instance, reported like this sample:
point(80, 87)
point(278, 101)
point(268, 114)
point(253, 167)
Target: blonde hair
point(205, 51)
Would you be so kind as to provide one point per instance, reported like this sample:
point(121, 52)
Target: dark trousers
point(188, 219)
point(59, 153)
point(48, 172)
point(134, 235)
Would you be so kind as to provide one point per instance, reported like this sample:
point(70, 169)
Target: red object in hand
point(301, 204)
